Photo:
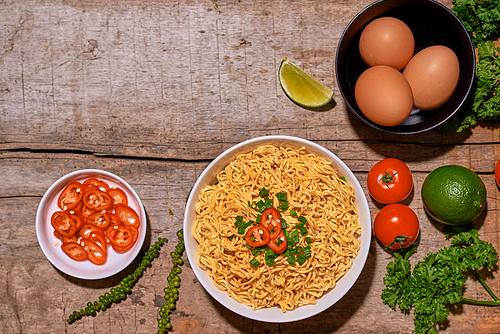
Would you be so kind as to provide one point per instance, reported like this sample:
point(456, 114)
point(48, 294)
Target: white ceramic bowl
point(275, 314)
point(51, 246)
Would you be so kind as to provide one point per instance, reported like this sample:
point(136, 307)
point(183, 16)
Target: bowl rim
point(274, 314)
point(47, 199)
point(393, 129)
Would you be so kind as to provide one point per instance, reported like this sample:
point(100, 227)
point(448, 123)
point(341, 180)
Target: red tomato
point(71, 196)
point(271, 220)
point(74, 251)
point(97, 200)
point(389, 181)
point(127, 215)
point(63, 223)
point(278, 245)
point(396, 226)
point(118, 195)
point(257, 236)
point(94, 252)
point(102, 185)
point(99, 219)
point(120, 236)
point(497, 172)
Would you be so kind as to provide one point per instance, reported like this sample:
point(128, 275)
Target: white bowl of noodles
point(325, 191)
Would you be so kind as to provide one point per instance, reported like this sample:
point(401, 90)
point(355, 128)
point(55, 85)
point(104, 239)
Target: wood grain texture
point(153, 91)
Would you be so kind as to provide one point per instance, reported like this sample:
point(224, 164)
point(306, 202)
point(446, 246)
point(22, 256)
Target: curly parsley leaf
point(482, 21)
point(438, 280)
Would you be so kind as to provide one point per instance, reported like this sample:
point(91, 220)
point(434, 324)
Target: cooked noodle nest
point(314, 190)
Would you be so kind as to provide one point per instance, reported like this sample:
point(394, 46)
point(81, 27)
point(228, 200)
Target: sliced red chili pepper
point(279, 244)
point(95, 253)
point(99, 219)
point(118, 195)
point(98, 183)
point(74, 251)
point(127, 215)
point(86, 211)
point(71, 196)
point(257, 236)
point(63, 223)
point(271, 220)
point(99, 239)
point(73, 238)
point(87, 229)
point(120, 236)
point(97, 200)
point(78, 217)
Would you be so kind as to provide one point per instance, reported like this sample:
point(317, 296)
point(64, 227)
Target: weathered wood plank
point(153, 91)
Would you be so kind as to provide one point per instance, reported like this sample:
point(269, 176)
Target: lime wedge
point(301, 88)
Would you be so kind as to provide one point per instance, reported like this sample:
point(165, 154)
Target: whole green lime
point(453, 195)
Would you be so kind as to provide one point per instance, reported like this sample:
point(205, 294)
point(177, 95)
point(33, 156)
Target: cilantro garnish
point(293, 252)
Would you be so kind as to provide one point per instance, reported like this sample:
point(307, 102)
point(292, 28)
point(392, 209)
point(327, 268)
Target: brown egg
point(383, 95)
point(387, 41)
point(433, 76)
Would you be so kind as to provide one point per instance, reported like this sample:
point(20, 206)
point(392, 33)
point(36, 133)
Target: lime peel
point(302, 88)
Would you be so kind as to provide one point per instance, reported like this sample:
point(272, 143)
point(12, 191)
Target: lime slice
point(301, 88)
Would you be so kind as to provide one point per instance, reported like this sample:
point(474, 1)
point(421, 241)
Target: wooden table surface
point(153, 91)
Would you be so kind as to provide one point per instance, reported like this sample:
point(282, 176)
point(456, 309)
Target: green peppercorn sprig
point(172, 290)
point(118, 294)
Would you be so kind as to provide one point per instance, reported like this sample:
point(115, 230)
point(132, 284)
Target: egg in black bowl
point(432, 24)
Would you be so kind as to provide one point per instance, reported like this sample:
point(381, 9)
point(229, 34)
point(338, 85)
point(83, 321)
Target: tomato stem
point(388, 178)
point(400, 239)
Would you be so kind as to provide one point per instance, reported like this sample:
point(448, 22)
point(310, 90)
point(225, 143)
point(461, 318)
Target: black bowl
point(431, 24)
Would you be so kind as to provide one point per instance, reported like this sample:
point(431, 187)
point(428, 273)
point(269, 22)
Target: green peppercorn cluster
point(172, 290)
point(117, 294)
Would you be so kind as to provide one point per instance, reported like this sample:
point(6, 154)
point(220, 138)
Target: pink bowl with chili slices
point(51, 245)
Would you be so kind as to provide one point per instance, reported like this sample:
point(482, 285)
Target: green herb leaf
point(263, 192)
point(293, 213)
point(438, 280)
point(254, 262)
point(302, 219)
point(281, 197)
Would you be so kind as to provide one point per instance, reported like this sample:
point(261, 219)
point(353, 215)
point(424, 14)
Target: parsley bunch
point(482, 20)
point(438, 280)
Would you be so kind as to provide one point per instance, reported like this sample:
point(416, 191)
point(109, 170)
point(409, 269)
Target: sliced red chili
point(87, 229)
point(99, 219)
point(118, 195)
point(73, 238)
point(98, 183)
point(127, 215)
point(86, 211)
point(74, 251)
point(94, 252)
point(257, 236)
point(279, 244)
point(63, 223)
point(271, 220)
point(78, 217)
point(71, 196)
point(97, 200)
point(120, 236)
